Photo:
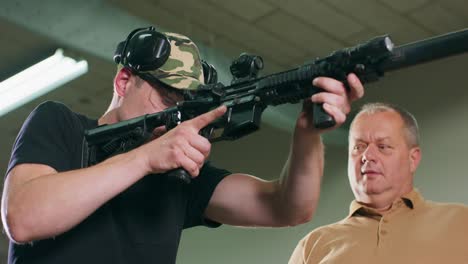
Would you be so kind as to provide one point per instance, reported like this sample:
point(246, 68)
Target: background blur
point(286, 33)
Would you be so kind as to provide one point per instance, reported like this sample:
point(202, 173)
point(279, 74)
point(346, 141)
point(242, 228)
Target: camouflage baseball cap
point(183, 69)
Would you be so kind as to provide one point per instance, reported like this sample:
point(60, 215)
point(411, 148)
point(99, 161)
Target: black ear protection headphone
point(146, 49)
point(209, 72)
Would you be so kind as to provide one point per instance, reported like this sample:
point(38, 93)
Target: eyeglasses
point(145, 49)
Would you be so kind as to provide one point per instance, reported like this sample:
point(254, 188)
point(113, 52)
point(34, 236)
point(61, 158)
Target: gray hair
point(409, 121)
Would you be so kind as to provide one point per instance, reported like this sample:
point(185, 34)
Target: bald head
point(409, 121)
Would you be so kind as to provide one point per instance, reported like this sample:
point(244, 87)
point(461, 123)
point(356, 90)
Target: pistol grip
point(321, 118)
point(180, 175)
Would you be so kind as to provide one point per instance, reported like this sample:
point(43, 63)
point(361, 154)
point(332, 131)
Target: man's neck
point(109, 117)
point(380, 207)
point(383, 203)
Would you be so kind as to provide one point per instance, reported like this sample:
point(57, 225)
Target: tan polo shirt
point(412, 231)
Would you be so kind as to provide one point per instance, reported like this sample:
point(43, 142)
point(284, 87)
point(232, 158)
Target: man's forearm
point(50, 204)
point(301, 178)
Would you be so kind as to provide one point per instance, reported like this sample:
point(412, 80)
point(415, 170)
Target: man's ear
point(415, 158)
point(121, 81)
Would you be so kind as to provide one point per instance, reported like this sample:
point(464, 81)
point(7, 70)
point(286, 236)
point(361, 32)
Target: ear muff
point(145, 49)
point(209, 72)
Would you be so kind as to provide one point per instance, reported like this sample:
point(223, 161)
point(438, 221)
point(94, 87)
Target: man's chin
point(372, 188)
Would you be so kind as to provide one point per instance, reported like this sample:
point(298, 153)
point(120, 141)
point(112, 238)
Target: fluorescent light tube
point(38, 80)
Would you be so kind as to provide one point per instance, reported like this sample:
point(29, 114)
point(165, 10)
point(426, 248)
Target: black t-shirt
point(140, 225)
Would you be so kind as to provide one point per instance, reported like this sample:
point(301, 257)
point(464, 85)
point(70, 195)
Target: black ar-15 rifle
point(248, 95)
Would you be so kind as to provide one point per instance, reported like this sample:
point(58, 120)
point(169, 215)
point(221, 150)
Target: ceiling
point(284, 32)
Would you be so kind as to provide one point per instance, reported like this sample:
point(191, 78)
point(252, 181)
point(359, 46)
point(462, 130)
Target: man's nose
point(368, 154)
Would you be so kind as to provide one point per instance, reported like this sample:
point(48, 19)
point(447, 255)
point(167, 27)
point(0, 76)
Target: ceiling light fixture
point(38, 80)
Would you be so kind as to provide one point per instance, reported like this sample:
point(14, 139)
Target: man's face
point(162, 98)
point(380, 163)
point(165, 97)
point(144, 98)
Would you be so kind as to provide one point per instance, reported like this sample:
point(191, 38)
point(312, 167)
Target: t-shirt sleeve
point(201, 190)
point(41, 139)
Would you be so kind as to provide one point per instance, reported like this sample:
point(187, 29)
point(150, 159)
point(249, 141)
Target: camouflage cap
point(183, 69)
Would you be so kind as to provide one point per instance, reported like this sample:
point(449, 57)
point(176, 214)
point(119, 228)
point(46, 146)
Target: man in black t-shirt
point(126, 209)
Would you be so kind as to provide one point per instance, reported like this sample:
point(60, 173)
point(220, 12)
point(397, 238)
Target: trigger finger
point(357, 89)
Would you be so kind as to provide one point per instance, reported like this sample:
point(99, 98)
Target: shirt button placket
point(382, 229)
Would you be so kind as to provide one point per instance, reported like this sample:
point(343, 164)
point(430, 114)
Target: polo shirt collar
point(411, 200)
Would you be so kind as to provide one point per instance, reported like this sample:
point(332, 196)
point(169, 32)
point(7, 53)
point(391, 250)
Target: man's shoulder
point(49, 113)
point(329, 230)
point(50, 109)
point(58, 112)
point(322, 238)
point(51, 106)
point(450, 217)
point(454, 208)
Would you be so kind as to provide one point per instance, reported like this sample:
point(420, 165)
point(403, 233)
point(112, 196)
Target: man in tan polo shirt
point(389, 221)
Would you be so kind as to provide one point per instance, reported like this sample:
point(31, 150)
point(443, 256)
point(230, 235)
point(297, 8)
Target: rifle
point(248, 95)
